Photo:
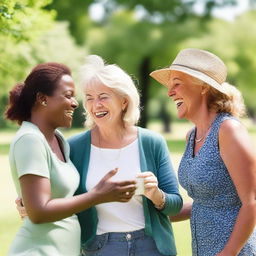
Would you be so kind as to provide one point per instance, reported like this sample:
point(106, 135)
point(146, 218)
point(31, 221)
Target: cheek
point(87, 105)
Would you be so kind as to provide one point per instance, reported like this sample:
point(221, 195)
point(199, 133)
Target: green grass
point(4, 149)
point(9, 225)
point(177, 146)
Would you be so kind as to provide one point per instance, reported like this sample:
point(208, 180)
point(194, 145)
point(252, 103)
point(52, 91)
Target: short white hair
point(95, 70)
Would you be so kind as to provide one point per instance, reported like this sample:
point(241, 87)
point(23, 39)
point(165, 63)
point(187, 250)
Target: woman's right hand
point(105, 191)
point(20, 207)
point(114, 191)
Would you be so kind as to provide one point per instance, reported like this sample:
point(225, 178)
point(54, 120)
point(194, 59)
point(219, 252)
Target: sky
point(228, 13)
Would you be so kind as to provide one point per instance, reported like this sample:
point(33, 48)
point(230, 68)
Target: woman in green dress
point(43, 174)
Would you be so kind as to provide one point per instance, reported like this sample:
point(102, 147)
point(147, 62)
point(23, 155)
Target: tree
point(24, 19)
point(237, 51)
point(135, 44)
point(56, 44)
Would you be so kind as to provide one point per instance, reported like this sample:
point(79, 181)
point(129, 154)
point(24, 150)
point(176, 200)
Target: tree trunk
point(165, 117)
point(144, 90)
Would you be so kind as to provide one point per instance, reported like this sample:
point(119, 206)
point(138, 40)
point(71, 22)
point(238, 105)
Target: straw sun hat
point(197, 63)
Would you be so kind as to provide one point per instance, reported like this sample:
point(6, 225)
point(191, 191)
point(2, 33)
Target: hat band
point(197, 70)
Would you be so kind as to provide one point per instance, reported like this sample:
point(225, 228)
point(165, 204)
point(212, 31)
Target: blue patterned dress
point(216, 203)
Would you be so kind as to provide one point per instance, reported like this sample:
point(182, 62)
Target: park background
point(138, 35)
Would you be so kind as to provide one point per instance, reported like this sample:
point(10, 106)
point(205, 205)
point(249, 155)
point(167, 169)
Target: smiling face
point(103, 105)
point(186, 94)
point(61, 104)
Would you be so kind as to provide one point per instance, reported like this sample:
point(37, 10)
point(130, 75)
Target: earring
point(44, 103)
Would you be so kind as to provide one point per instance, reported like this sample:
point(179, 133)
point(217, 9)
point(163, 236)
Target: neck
point(203, 125)
point(114, 138)
point(116, 133)
point(46, 129)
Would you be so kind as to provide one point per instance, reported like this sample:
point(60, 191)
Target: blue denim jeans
point(134, 243)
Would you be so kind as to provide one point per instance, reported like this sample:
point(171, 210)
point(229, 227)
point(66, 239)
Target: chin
point(67, 124)
point(180, 115)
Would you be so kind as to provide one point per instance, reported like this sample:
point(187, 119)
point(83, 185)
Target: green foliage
point(236, 48)
point(17, 60)
point(24, 19)
point(21, 23)
point(76, 13)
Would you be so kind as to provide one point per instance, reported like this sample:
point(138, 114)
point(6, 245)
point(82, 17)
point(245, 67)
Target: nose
point(170, 92)
point(74, 103)
point(97, 103)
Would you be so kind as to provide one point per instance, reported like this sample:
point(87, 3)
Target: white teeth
point(102, 113)
point(69, 113)
point(178, 102)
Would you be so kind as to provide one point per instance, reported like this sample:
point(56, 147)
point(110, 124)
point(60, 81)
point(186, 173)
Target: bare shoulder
point(231, 124)
point(232, 127)
point(233, 133)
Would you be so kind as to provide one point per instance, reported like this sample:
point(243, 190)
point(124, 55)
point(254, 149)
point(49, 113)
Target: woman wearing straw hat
point(218, 168)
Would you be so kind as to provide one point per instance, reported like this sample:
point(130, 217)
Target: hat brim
point(163, 76)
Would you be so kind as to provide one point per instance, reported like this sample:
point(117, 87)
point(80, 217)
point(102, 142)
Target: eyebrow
point(176, 78)
point(103, 93)
point(69, 91)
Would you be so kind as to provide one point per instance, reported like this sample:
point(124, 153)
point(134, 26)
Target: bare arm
point(36, 197)
point(184, 214)
point(237, 154)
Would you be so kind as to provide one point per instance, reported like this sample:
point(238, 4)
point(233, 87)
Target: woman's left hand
point(152, 191)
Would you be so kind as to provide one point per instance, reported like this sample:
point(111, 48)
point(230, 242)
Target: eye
point(88, 99)
point(103, 97)
point(68, 96)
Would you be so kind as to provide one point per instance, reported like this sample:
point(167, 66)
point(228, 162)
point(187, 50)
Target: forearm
point(184, 214)
point(60, 208)
point(36, 196)
point(243, 228)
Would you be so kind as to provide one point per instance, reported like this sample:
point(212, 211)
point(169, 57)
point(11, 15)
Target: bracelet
point(161, 206)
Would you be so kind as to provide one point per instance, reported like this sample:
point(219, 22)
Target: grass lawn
point(10, 221)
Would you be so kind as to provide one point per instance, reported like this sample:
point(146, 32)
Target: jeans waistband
point(124, 236)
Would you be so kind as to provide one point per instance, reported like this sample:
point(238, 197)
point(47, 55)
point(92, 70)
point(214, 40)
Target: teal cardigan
point(154, 156)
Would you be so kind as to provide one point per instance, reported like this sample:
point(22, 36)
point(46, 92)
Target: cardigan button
point(128, 236)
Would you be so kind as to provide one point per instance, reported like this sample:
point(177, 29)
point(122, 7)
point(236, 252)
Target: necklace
point(201, 138)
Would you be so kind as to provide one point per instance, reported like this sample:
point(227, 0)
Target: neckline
point(59, 138)
point(193, 136)
point(124, 147)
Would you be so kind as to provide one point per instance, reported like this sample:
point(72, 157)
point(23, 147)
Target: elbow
point(37, 218)
point(250, 207)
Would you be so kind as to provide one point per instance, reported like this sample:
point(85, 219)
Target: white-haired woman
point(141, 226)
point(218, 168)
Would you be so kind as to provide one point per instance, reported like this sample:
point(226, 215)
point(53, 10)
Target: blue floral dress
point(216, 202)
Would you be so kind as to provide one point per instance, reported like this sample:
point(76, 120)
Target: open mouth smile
point(101, 114)
point(178, 102)
point(69, 113)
